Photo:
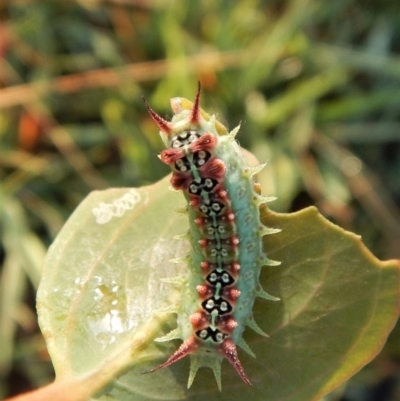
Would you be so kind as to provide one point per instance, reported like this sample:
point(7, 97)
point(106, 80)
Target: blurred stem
point(12, 286)
point(364, 187)
point(86, 386)
point(301, 94)
point(19, 241)
point(383, 65)
point(269, 47)
point(26, 167)
point(60, 136)
point(44, 210)
point(110, 78)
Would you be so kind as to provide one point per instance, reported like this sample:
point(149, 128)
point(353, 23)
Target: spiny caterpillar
point(226, 236)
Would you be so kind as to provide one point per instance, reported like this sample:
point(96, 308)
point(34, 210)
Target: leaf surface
point(101, 298)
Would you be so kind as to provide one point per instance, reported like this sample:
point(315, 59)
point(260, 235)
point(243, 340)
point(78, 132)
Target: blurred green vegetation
point(315, 84)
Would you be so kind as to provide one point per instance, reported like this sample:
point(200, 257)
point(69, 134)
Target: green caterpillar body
point(226, 233)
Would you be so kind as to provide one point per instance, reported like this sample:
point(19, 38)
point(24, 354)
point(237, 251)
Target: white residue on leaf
point(111, 322)
point(79, 281)
point(104, 212)
point(108, 318)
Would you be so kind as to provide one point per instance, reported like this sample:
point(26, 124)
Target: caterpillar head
point(183, 119)
point(188, 116)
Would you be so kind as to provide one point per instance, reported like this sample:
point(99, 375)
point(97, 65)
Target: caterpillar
point(225, 232)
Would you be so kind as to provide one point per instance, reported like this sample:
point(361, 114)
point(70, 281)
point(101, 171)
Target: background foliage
point(315, 84)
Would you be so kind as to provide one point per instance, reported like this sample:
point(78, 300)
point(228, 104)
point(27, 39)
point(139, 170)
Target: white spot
point(203, 209)
point(216, 207)
point(213, 277)
point(210, 304)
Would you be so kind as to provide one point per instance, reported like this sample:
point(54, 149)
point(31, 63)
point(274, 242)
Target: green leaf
point(102, 292)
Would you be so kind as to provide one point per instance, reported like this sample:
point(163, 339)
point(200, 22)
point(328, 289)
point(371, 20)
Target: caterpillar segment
point(226, 233)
